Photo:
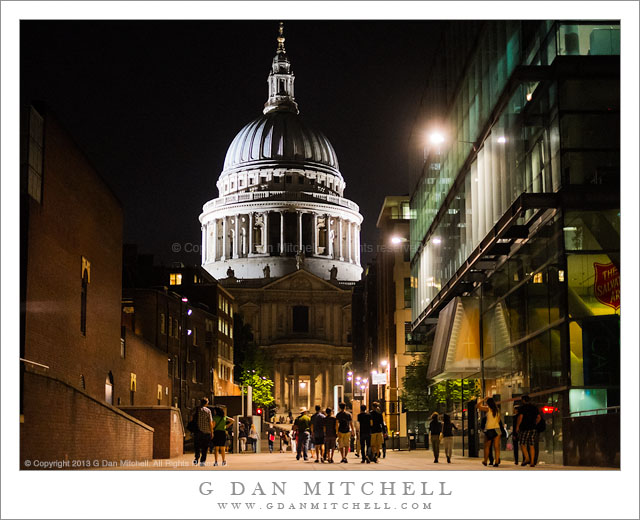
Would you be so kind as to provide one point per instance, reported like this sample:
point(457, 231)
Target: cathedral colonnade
point(235, 233)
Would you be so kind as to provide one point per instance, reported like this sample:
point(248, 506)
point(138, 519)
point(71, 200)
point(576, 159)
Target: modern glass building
point(515, 227)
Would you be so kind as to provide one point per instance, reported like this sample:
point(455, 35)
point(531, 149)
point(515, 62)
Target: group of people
point(441, 431)
point(329, 433)
point(210, 427)
point(528, 423)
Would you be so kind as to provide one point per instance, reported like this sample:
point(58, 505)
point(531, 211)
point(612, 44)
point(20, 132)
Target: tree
point(252, 367)
point(422, 394)
point(262, 387)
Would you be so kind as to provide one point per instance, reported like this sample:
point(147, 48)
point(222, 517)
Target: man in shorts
point(330, 428)
point(317, 431)
point(345, 431)
point(526, 429)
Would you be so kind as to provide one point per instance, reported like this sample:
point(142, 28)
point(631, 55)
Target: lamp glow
point(502, 139)
point(396, 240)
point(436, 138)
point(436, 240)
point(185, 300)
point(189, 312)
point(349, 373)
point(384, 362)
point(302, 384)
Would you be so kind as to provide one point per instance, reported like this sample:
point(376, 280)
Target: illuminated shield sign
point(606, 286)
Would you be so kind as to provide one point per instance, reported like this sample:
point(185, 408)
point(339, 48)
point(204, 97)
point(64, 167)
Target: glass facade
point(521, 120)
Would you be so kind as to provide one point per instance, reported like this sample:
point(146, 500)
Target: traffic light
point(259, 411)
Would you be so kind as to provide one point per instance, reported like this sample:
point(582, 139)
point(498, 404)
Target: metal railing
point(596, 411)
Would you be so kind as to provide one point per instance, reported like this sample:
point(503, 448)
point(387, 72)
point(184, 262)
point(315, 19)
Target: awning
point(456, 346)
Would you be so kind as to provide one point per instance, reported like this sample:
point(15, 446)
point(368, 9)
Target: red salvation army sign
point(606, 286)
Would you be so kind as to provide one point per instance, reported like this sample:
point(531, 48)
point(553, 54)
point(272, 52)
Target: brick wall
point(79, 216)
point(168, 435)
point(63, 423)
point(151, 368)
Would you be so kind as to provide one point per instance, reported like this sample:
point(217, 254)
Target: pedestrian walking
point(293, 436)
point(377, 425)
point(242, 437)
point(253, 435)
point(202, 437)
point(220, 424)
point(302, 426)
point(515, 436)
point(345, 431)
point(385, 436)
point(317, 431)
point(365, 422)
point(492, 431)
point(447, 436)
point(271, 437)
point(330, 427)
point(284, 441)
point(435, 429)
point(526, 429)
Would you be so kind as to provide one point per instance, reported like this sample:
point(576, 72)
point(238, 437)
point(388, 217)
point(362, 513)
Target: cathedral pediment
point(301, 280)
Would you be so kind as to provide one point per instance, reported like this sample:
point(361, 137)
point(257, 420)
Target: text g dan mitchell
point(342, 488)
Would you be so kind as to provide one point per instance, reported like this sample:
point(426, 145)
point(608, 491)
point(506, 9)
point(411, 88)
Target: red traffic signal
point(259, 411)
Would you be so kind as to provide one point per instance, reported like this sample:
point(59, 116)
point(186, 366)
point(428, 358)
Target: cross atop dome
point(281, 39)
point(281, 80)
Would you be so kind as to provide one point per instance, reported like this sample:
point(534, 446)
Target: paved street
point(419, 460)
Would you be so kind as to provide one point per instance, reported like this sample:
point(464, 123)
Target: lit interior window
point(537, 278)
point(175, 279)
point(561, 275)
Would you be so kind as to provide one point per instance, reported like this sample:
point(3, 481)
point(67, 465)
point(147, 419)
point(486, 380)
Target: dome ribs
point(280, 136)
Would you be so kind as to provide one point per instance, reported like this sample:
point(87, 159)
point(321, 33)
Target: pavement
point(419, 460)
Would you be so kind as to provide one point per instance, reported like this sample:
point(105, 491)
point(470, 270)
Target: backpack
point(542, 425)
point(192, 425)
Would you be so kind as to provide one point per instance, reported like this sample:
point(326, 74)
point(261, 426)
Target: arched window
point(108, 388)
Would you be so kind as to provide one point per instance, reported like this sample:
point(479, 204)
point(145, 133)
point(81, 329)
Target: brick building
point(187, 315)
point(75, 361)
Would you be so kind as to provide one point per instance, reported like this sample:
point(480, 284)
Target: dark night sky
point(155, 104)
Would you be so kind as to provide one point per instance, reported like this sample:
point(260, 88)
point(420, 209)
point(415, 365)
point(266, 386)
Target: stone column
point(224, 239)
point(328, 391)
point(215, 239)
point(282, 233)
point(282, 400)
point(299, 213)
point(312, 387)
point(205, 243)
point(236, 241)
point(265, 240)
point(329, 239)
point(340, 240)
point(314, 235)
point(250, 233)
point(349, 249)
point(296, 388)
